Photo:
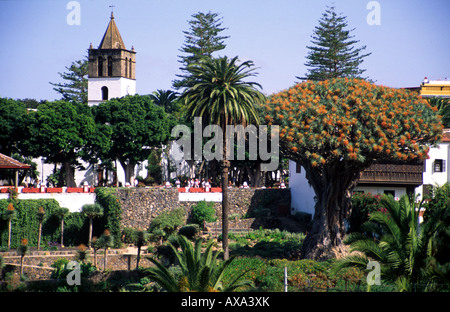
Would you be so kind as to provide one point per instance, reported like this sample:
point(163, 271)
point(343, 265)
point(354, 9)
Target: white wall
point(302, 194)
point(440, 178)
point(117, 87)
point(399, 191)
point(442, 151)
point(72, 201)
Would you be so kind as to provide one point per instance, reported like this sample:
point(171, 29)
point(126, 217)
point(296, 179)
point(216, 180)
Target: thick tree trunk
point(69, 174)
point(128, 168)
point(333, 207)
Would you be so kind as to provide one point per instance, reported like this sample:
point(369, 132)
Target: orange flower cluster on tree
point(352, 120)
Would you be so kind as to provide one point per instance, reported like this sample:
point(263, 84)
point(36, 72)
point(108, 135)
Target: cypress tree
point(333, 53)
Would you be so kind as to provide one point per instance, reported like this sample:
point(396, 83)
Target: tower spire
point(112, 38)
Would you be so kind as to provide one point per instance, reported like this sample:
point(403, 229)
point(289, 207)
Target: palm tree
point(8, 215)
point(200, 272)
point(106, 240)
point(141, 238)
point(22, 251)
point(221, 96)
point(398, 242)
point(443, 106)
point(165, 99)
point(62, 213)
point(92, 211)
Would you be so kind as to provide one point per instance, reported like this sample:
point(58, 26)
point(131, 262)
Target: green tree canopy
point(60, 132)
point(12, 113)
point(202, 40)
point(75, 89)
point(136, 125)
point(333, 54)
point(339, 127)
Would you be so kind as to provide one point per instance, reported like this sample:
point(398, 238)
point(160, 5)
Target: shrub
point(167, 223)
point(112, 214)
point(25, 225)
point(203, 212)
point(362, 205)
point(189, 230)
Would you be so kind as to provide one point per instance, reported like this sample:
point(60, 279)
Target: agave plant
point(399, 243)
point(200, 271)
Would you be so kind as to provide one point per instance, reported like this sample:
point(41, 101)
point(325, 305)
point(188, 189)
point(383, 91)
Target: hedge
point(26, 224)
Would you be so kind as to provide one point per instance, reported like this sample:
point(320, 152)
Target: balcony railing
point(411, 174)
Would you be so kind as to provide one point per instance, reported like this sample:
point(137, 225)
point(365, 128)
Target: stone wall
point(37, 265)
point(141, 205)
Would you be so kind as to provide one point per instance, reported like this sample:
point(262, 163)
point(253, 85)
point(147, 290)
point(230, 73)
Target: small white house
point(436, 171)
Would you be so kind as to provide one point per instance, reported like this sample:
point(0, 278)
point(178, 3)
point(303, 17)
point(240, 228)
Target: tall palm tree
point(62, 213)
point(221, 96)
point(200, 272)
point(398, 242)
point(92, 211)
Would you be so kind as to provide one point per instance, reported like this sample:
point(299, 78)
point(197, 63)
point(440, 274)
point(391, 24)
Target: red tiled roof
point(10, 163)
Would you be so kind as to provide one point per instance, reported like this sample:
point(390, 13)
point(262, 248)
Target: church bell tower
point(111, 68)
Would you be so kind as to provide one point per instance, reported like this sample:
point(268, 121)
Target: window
point(126, 66)
point(439, 165)
point(104, 93)
point(110, 69)
point(100, 66)
point(298, 168)
point(129, 67)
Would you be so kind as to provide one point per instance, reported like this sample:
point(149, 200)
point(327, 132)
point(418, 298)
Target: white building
point(436, 171)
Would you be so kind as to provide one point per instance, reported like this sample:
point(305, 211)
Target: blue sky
point(410, 43)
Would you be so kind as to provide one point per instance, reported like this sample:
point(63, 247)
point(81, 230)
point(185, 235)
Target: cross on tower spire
point(112, 10)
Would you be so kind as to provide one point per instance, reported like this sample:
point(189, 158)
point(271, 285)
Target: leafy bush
point(112, 214)
point(26, 223)
point(203, 212)
point(362, 205)
point(167, 223)
point(303, 275)
point(189, 230)
point(61, 271)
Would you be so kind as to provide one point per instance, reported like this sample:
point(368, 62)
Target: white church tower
point(111, 68)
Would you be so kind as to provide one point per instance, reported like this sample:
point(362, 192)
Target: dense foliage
point(112, 211)
point(335, 129)
point(333, 53)
point(202, 40)
point(203, 212)
point(403, 247)
point(25, 224)
point(136, 125)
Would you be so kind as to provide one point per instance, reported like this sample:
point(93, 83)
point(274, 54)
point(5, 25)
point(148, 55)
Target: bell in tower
point(111, 67)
